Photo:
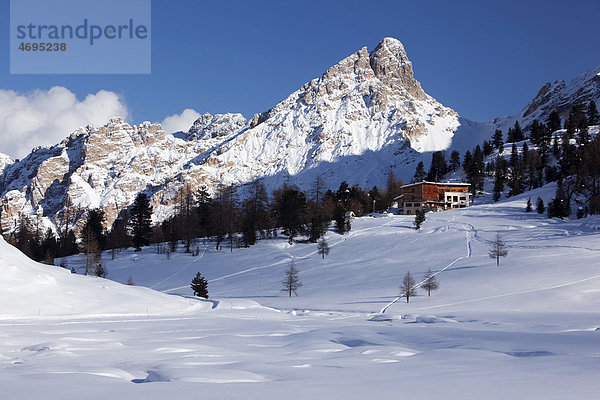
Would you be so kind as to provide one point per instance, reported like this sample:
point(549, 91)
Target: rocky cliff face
point(364, 116)
point(561, 96)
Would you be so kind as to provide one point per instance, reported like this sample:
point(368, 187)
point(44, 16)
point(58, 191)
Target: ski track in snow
point(468, 233)
point(181, 270)
point(277, 263)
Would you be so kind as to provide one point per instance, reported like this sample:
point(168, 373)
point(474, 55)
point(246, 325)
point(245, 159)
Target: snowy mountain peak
point(392, 66)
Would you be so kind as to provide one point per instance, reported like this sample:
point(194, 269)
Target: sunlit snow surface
point(524, 330)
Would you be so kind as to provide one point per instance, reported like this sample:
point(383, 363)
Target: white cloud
point(180, 122)
point(45, 117)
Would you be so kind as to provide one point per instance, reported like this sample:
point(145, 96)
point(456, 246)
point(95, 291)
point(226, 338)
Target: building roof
point(437, 183)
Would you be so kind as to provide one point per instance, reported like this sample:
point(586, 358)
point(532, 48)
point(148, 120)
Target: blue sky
point(484, 59)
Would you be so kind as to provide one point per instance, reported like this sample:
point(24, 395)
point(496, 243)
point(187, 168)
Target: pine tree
point(560, 206)
point(498, 249)
point(92, 237)
point(419, 218)
point(291, 281)
point(454, 160)
point(339, 217)
point(420, 174)
point(515, 134)
point(203, 211)
point(200, 286)
point(140, 222)
point(430, 282)
point(467, 163)
point(498, 187)
point(592, 113)
point(577, 117)
point(407, 288)
point(438, 167)
point(540, 208)
point(323, 248)
point(516, 182)
point(528, 207)
point(487, 148)
point(536, 133)
point(498, 141)
point(500, 177)
point(100, 271)
point(553, 122)
point(476, 174)
point(290, 206)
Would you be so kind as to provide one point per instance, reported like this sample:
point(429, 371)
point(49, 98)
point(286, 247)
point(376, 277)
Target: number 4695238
point(43, 46)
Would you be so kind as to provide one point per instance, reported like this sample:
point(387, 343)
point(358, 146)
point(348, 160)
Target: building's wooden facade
point(433, 196)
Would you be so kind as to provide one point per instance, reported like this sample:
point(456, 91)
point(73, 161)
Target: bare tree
point(498, 249)
point(408, 288)
point(318, 188)
point(323, 248)
point(91, 249)
point(430, 283)
point(291, 282)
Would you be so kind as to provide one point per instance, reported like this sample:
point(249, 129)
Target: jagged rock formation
point(216, 126)
point(560, 96)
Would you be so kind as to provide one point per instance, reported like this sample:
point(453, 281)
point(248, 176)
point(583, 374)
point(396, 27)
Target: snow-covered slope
point(32, 290)
point(527, 329)
point(369, 262)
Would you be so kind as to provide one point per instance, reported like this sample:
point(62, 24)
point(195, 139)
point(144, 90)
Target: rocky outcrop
point(560, 96)
point(216, 126)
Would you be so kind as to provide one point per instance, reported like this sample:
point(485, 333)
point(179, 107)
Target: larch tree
point(430, 282)
point(323, 248)
point(407, 288)
point(255, 212)
point(291, 281)
point(498, 249)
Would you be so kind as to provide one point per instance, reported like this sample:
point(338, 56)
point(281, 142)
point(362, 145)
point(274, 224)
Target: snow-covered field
point(523, 330)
